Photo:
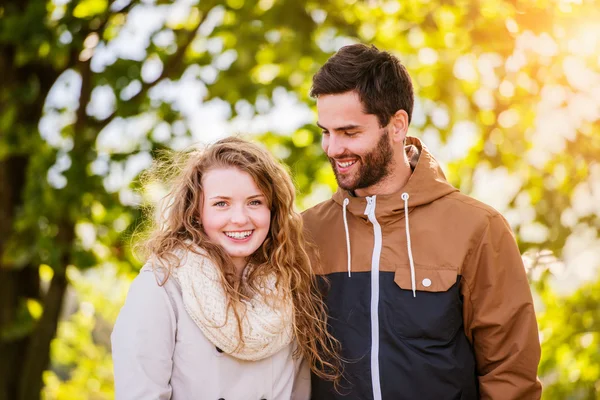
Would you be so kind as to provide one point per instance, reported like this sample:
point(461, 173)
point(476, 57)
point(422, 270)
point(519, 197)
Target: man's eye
point(325, 132)
point(351, 133)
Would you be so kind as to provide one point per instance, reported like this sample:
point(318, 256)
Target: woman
point(227, 306)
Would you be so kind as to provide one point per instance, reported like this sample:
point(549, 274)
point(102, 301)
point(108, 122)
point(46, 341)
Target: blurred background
point(91, 91)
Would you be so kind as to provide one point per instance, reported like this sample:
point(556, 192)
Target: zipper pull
point(370, 205)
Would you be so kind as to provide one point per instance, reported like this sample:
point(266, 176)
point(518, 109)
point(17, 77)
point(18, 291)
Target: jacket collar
point(426, 184)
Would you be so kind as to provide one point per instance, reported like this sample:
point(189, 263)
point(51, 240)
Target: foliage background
point(91, 91)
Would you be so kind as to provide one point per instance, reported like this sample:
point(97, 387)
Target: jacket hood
point(426, 184)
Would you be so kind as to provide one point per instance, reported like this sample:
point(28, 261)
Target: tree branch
point(84, 98)
point(168, 69)
point(74, 56)
point(125, 10)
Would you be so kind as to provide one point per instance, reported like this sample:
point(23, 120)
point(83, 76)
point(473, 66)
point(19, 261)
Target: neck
point(392, 183)
point(239, 264)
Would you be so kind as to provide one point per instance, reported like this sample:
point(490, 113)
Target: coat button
point(426, 282)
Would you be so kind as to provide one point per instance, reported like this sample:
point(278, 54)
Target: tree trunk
point(24, 358)
point(14, 286)
point(37, 355)
point(24, 355)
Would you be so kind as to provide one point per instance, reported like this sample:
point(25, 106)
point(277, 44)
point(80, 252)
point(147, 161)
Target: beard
point(373, 166)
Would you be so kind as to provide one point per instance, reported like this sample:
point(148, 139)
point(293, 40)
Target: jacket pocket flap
point(426, 279)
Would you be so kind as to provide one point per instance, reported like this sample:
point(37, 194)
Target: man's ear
point(399, 125)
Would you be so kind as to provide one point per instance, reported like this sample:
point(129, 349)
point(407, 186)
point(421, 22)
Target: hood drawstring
point(346, 201)
point(405, 197)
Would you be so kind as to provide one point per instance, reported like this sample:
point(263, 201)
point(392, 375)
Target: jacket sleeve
point(143, 342)
point(499, 316)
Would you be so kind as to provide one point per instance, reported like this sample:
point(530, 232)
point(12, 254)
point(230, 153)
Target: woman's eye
point(220, 204)
point(255, 203)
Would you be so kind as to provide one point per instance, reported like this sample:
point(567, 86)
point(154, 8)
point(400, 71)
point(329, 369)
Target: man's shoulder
point(316, 213)
point(323, 221)
point(471, 207)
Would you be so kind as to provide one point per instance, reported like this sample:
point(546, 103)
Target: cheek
point(360, 148)
point(212, 224)
point(262, 219)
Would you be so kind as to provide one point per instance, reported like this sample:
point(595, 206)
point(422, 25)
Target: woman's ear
point(399, 125)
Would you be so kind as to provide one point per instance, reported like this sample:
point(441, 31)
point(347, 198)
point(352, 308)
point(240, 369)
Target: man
point(427, 290)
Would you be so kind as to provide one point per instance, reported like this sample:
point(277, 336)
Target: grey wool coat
point(159, 353)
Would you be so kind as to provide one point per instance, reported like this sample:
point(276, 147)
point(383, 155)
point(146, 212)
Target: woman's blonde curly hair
point(284, 252)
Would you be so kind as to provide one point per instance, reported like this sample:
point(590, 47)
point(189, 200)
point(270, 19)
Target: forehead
point(342, 109)
point(228, 182)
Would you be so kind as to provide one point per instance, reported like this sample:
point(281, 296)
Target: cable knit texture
point(266, 325)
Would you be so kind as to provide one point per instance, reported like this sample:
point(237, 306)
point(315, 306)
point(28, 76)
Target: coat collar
point(426, 184)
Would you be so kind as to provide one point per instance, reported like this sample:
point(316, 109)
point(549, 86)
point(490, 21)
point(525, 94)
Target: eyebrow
point(340, 128)
point(255, 196)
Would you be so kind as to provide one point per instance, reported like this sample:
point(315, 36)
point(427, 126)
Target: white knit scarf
point(267, 326)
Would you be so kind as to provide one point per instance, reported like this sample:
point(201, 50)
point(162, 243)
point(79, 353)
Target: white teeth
point(238, 235)
point(346, 164)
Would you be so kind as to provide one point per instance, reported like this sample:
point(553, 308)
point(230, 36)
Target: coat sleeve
point(499, 316)
point(143, 342)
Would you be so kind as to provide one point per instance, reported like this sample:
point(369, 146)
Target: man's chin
point(346, 184)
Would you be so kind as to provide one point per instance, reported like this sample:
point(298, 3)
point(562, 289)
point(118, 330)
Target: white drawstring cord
point(405, 197)
point(346, 201)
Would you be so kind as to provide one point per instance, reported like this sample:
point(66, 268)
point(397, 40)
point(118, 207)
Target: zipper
point(375, 380)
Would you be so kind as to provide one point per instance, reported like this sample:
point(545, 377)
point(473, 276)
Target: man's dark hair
point(381, 81)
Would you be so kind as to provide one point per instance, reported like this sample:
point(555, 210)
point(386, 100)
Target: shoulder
point(467, 204)
point(484, 221)
point(474, 212)
point(150, 306)
point(319, 213)
point(150, 280)
point(468, 217)
point(152, 288)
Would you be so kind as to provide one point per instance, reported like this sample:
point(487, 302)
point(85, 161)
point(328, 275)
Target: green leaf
point(88, 8)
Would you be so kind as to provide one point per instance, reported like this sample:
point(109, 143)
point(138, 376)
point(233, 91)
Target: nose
point(332, 145)
point(239, 216)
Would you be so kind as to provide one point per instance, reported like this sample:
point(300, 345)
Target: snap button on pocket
point(429, 279)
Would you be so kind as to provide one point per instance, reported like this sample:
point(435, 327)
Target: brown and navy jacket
point(427, 294)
